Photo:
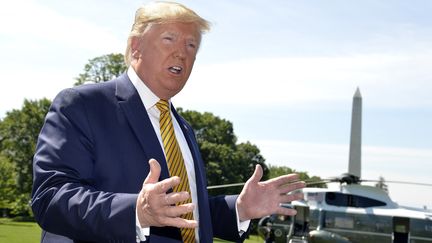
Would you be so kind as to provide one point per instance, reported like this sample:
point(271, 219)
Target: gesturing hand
point(258, 199)
point(157, 208)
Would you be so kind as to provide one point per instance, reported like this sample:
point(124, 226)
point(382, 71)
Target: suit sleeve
point(224, 218)
point(64, 198)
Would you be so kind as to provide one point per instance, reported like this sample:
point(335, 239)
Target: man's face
point(165, 55)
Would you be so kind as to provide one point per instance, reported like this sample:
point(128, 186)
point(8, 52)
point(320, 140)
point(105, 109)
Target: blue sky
point(284, 72)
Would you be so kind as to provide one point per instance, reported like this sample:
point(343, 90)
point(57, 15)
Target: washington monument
point(354, 167)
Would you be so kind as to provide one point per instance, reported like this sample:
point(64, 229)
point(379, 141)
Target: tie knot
point(163, 106)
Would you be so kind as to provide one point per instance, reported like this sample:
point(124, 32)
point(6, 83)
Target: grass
point(29, 232)
point(17, 232)
point(251, 239)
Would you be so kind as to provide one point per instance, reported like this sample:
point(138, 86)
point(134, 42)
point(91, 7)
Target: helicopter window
point(348, 200)
point(344, 222)
point(313, 219)
point(359, 222)
point(421, 228)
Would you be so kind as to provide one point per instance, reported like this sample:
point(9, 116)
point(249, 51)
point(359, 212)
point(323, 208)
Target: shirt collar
point(148, 98)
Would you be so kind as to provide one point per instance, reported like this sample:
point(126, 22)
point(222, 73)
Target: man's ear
point(135, 42)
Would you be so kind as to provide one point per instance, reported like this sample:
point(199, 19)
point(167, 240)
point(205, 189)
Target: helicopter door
point(400, 230)
point(299, 231)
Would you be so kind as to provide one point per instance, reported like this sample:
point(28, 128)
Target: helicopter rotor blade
point(325, 181)
point(308, 183)
point(401, 182)
point(225, 185)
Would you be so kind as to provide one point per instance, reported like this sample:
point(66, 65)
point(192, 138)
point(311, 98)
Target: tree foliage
point(226, 160)
point(102, 68)
point(7, 184)
point(18, 135)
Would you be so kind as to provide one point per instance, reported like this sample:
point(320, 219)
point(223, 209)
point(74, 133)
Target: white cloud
point(388, 80)
point(43, 50)
point(36, 84)
point(28, 21)
point(332, 159)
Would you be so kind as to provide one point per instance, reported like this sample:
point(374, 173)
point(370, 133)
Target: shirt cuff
point(141, 233)
point(241, 225)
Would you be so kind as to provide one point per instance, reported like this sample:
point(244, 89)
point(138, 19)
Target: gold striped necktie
point(175, 162)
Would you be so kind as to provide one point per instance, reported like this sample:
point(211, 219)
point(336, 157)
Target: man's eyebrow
point(169, 33)
point(175, 33)
point(192, 38)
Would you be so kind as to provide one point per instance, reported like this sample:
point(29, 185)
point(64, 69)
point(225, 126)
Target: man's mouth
point(175, 69)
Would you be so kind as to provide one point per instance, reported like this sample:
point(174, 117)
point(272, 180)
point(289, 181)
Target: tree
point(7, 185)
point(210, 128)
point(226, 161)
point(18, 135)
point(102, 68)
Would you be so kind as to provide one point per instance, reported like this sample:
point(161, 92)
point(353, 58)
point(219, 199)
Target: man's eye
point(191, 45)
point(168, 38)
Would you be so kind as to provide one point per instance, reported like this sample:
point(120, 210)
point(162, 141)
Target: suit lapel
point(139, 121)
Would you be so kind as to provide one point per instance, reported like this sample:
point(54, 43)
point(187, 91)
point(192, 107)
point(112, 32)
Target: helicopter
point(349, 212)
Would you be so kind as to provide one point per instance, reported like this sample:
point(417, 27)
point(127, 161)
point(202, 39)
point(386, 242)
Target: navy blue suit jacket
point(91, 160)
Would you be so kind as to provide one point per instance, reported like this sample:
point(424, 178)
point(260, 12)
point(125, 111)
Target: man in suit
point(102, 167)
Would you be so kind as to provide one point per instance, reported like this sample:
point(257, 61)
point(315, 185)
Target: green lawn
point(17, 232)
point(252, 239)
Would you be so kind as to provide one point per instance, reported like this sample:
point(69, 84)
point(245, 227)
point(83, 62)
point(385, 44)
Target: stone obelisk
point(354, 167)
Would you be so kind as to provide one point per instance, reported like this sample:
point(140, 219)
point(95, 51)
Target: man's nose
point(180, 52)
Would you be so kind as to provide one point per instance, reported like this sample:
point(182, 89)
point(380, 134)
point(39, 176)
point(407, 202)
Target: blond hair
point(159, 13)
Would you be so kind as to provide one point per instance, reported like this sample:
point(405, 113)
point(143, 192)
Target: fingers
point(153, 178)
point(286, 183)
point(167, 216)
point(257, 175)
point(285, 198)
point(292, 187)
point(177, 211)
point(156, 207)
point(160, 209)
point(181, 223)
point(174, 198)
point(286, 211)
point(285, 179)
point(155, 170)
point(165, 185)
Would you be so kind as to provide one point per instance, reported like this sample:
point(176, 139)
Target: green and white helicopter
point(350, 212)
